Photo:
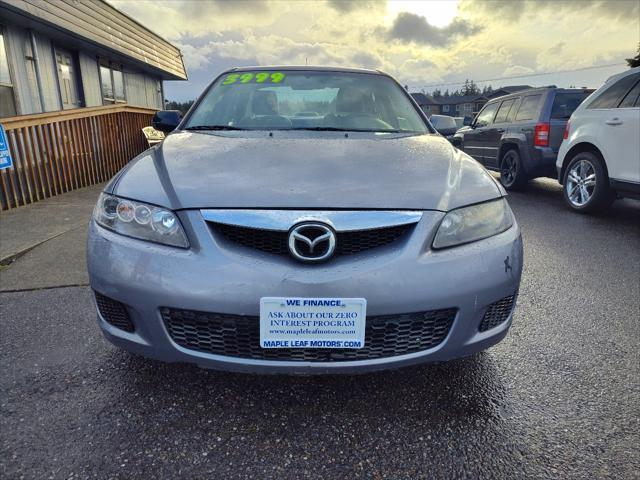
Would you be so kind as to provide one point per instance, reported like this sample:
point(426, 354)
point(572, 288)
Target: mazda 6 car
point(259, 237)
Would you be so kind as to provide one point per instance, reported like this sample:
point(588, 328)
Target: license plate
point(291, 322)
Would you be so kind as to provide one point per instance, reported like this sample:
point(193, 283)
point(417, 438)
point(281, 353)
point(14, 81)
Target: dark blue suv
point(519, 135)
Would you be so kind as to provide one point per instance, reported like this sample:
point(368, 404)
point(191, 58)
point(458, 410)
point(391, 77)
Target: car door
point(495, 131)
point(475, 139)
point(620, 138)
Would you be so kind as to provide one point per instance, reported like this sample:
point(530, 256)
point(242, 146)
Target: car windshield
point(306, 100)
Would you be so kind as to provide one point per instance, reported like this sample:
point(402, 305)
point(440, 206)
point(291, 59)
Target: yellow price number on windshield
point(260, 77)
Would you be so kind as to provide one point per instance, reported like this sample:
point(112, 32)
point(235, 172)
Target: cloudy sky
point(421, 43)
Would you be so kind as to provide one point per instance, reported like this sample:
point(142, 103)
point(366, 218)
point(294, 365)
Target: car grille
point(497, 313)
point(113, 312)
point(275, 242)
point(239, 335)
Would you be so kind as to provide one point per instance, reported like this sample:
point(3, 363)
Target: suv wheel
point(512, 176)
point(586, 185)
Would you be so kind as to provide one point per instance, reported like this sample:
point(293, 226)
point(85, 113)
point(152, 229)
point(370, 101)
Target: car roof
point(533, 91)
point(310, 68)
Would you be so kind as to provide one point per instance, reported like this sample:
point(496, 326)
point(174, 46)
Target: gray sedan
point(259, 238)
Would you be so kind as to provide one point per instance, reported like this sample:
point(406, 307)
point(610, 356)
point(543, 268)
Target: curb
point(12, 257)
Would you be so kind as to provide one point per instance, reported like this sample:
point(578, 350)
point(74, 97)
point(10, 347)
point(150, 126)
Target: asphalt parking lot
point(559, 398)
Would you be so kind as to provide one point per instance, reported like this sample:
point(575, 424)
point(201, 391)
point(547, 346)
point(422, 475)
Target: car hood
point(305, 170)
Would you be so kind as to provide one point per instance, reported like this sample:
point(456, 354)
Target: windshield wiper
point(322, 129)
point(214, 127)
point(336, 129)
point(317, 129)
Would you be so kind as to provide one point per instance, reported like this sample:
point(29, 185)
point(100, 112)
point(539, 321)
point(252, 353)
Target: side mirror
point(166, 120)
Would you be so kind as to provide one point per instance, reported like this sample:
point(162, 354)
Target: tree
point(182, 106)
point(466, 87)
point(635, 61)
point(469, 88)
point(487, 89)
point(437, 93)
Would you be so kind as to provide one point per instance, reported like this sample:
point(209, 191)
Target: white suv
point(599, 158)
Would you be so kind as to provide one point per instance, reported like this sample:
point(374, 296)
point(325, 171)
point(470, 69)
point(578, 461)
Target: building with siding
point(69, 54)
point(461, 105)
point(428, 104)
point(452, 105)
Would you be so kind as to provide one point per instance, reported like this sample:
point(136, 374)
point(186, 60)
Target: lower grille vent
point(114, 312)
point(239, 335)
point(497, 313)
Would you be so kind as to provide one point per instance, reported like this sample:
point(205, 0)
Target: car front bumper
point(214, 277)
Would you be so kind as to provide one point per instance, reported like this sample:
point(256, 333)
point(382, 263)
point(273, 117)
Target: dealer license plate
point(292, 322)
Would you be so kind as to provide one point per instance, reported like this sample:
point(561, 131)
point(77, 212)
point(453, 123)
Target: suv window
point(514, 109)
point(503, 111)
point(528, 107)
point(632, 99)
point(565, 103)
point(612, 96)
point(486, 115)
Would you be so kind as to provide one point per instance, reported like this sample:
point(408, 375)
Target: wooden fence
point(57, 152)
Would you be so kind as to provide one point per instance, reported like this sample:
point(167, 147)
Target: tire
point(512, 174)
point(586, 184)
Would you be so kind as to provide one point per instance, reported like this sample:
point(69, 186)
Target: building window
point(468, 107)
point(426, 108)
point(7, 102)
point(112, 82)
point(118, 85)
point(458, 108)
point(30, 92)
point(445, 108)
point(160, 95)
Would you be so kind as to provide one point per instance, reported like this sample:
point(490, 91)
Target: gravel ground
point(558, 398)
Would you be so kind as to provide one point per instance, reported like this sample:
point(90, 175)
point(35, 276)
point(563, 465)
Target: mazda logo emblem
point(312, 242)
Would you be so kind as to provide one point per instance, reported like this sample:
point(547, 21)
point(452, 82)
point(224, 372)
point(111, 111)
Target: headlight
point(476, 222)
point(139, 220)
